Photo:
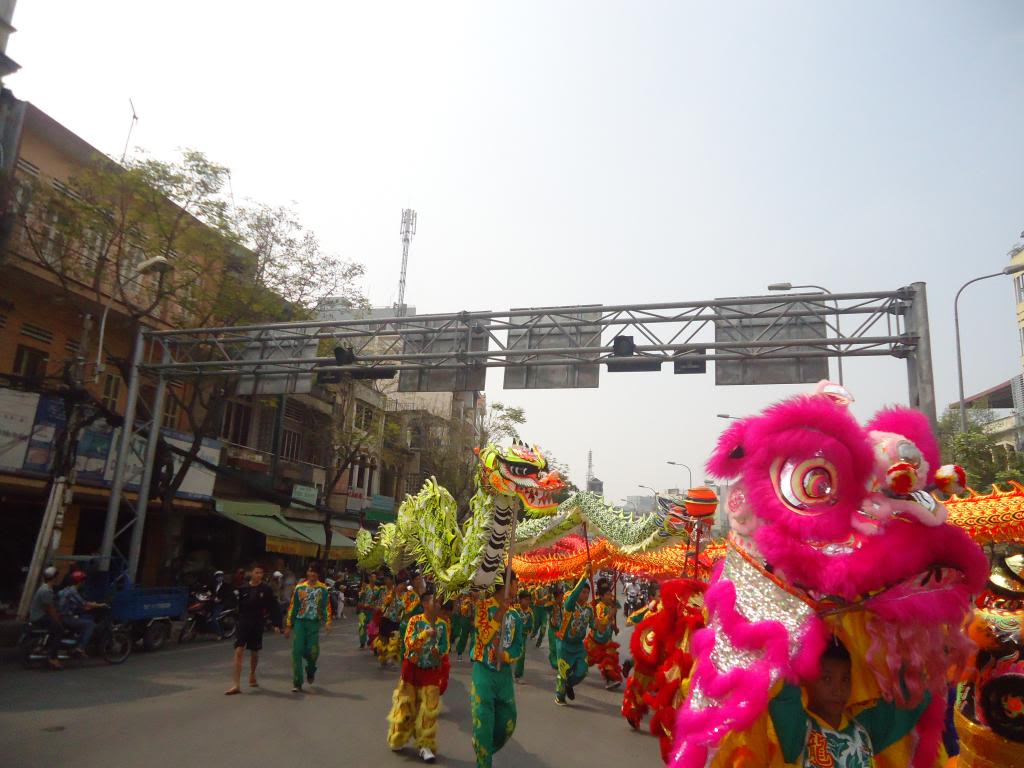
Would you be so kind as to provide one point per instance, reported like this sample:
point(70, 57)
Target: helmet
point(78, 577)
point(49, 572)
point(217, 573)
point(278, 575)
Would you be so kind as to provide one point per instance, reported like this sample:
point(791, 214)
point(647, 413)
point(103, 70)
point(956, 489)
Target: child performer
point(499, 641)
point(577, 619)
point(462, 624)
point(541, 610)
point(416, 701)
point(364, 605)
point(811, 726)
point(602, 650)
point(524, 614)
point(310, 607)
point(390, 620)
point(555, 624)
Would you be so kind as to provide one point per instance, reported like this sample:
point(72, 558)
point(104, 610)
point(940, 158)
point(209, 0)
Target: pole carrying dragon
point(511, 481)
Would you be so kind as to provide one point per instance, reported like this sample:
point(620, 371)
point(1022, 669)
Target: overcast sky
point(595, 152)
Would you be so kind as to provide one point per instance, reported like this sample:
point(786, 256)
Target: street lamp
point(684, 466)
point(1013, 269)
point(727, 416)
point(651, 490)
point(156, 264)
point(839, 349)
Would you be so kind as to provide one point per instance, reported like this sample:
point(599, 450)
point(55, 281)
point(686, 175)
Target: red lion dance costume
point(833, 532)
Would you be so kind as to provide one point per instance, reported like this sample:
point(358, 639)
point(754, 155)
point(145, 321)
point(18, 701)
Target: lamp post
point(839, 349)
point(684, 466)
point(158, 264)
point(652, 491)
point(727, 416)
point(1013, 269)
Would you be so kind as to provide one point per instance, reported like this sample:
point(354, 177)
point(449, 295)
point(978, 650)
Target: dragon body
point(511, 482)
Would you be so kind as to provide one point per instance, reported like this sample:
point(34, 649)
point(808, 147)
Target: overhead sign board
point(450, 339)
point(763, 323)
point(278, 379)
point(559, 328)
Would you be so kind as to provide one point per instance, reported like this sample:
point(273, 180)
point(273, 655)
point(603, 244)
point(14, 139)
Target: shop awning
point(342, 547)
point(284, 536)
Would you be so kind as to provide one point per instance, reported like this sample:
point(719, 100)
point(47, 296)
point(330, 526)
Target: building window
point(172, 410)
point(364, 417)
point(291, 445)
point(235, 426)
point(30, 362)
point(1020, 333)
point(111, 391)
point(1018, 284)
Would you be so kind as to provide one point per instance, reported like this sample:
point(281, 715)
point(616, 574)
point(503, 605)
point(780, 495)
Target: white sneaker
point(426, 755)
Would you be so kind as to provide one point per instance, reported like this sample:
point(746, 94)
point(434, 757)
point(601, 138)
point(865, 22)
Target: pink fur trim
point(741, 691)
point(929, 732)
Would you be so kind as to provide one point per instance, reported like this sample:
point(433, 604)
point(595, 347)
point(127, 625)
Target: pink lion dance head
point(834, 530)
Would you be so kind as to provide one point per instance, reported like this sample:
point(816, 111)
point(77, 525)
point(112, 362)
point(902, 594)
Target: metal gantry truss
point(868, 324)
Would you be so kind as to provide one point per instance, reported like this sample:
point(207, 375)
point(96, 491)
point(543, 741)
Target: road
point(168, 709)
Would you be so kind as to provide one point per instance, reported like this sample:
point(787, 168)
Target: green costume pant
point(540, 620)
point(520, 665)
point(572, 666)
point(552, 648)
point(305, 646)
point(462, 626)
point(493, 706)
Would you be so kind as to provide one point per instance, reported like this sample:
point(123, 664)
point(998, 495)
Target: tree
point(985, 460)
point(228, 266)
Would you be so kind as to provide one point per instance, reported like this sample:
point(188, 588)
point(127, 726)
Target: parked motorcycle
point(199, 618)
point(111, 640)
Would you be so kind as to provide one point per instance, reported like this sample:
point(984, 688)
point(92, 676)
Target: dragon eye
point(807, 486)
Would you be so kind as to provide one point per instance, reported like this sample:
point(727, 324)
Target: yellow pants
point(387, 651)
point(414, 712)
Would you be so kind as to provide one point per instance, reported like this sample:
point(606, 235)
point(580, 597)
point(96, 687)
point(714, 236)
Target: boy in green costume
point(541, 611)
point(577, 619)
point(309, 608)
point(524, 611)
point(500, 640)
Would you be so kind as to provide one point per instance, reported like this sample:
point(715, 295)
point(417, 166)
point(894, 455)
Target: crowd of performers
point(405, 623)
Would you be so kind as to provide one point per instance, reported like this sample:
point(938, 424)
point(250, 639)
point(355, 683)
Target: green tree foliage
point(985, 460)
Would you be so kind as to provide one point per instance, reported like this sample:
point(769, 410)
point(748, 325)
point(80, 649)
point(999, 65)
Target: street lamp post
point(839, 349)
point(684, 466)
point(727, 416)
point(1013, 269)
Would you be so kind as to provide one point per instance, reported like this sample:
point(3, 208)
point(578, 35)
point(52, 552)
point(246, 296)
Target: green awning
point(380, 515)
point(264, 517)
point(315, 533)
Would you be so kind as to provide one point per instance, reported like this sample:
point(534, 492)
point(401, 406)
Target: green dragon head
point(520, 470)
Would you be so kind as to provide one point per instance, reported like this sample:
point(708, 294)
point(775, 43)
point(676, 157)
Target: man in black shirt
point(256, 602)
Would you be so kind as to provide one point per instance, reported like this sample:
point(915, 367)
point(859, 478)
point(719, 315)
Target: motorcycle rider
point(73, 609)
point(256, 602)
point(43, 614)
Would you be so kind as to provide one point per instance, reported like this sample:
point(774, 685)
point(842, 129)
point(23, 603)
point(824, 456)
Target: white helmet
point(278, 575)
point(49, 572)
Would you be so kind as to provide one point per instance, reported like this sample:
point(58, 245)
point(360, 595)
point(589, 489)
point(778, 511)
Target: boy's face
point(524, 603)
point(429, 605)
point(827, 696)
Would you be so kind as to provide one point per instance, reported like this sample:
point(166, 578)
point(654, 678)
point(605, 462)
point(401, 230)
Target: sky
point(595, 152)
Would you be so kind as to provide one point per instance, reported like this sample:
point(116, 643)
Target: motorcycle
point(199, 618)
point(111, 639)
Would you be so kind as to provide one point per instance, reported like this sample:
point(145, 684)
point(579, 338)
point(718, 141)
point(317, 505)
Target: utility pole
point(63, 473)
point(407, 230)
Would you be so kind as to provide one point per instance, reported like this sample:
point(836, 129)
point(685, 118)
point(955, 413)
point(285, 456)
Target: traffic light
point(624, 357)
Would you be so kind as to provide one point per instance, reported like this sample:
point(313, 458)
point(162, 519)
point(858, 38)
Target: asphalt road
point(168, 709)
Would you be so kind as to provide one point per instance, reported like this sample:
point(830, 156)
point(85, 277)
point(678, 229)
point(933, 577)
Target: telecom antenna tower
point(590, 466)
point(407, 230)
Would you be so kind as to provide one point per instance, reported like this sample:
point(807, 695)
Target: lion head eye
point(909, 453)
point(807, 486)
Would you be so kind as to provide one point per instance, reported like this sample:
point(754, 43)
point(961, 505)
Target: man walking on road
point(256, 602)
point(309, 608)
